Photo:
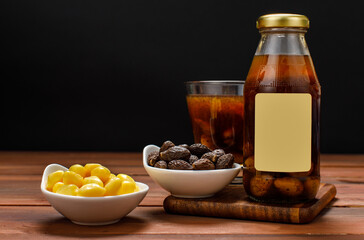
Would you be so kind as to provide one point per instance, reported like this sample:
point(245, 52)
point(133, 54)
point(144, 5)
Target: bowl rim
point(143, 188)
point(145, 163)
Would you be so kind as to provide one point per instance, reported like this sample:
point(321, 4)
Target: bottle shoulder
point(283, 72)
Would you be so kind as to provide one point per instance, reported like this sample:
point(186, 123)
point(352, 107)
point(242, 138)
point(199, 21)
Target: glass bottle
point(282, 114)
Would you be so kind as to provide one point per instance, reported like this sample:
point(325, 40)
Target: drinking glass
point(216, 109)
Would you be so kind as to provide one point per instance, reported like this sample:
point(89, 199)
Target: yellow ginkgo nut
point(113, 186)
point(70, 177)
point(56, 186)
point(102, 172)
point(53, 178)
point(126, 187)
point(91, 190)
point(93, 179)
point(89, 166)
point(125, 177)
point(77, 168)
point(70, 189)
point(110, 177)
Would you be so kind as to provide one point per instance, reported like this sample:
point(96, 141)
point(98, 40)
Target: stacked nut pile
point(194, 157)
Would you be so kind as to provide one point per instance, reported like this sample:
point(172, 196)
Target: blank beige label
point(283, 132)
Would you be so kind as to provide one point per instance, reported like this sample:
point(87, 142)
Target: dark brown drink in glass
point(216, 111)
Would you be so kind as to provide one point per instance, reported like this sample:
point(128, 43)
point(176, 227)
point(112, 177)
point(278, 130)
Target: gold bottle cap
point(283, 20)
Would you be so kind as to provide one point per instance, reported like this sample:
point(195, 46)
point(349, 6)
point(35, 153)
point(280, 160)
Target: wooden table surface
point(24, 212)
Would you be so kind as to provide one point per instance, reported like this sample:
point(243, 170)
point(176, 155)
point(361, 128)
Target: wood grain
point(34, 163)
point(24, 213)
point(233, 202)
point(46, 221)
point(342, 160)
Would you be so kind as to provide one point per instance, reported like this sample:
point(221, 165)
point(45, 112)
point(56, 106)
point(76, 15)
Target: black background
point(109, 75)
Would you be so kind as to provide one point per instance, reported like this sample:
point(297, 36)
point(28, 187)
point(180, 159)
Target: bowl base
point(188, 196)
point(96, 223)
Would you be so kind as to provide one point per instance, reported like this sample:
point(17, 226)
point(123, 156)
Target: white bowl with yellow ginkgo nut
point(92, 210)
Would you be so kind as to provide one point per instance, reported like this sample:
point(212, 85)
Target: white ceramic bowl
point(190, 183)
point(92, 210)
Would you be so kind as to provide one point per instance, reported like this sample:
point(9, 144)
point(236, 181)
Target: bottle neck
point(282, 41)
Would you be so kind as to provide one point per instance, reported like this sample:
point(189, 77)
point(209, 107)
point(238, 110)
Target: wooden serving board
point(232, 202)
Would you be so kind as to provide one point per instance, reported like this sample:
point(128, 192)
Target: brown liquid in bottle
point(217, 122)
point(280, 74)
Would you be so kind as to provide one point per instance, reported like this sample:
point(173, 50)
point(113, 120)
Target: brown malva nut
point(210, 156)
point(153, 157)
point(184, 146)
point(249, 164)
point(179, 165)
point(193, 158)
point(289, 186)
point(219, 151)
point(312, 185)
point(175, 153)
point(199, 149)
point(214, 155)
point(203, 164)
point(161, 164)
point(166, 145)
point(225, 161)
point(260, 185)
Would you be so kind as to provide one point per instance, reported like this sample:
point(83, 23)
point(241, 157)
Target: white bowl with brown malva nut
point(189, 171)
